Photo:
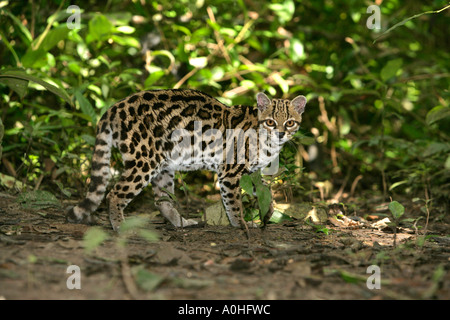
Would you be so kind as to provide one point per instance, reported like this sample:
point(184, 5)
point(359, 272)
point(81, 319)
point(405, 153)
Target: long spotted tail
point(100, 175)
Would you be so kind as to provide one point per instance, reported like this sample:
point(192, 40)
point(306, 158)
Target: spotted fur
point(159, 132)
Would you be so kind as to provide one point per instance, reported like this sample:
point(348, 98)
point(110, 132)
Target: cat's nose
point(281, 135)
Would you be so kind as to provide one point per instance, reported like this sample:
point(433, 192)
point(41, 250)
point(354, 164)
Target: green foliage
point(17, 80)
point(318, 228)
point(137, 225)
point(93, 238)
point(2, 131)
point(131, 227)
point(437, 113)
point(278, 217)
point(147, 280)
point(253, 183)
point(403, 22)
point(397, 209)
point(377, 109)
point(38, 199)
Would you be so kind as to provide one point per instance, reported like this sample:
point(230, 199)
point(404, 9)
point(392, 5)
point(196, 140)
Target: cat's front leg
point(230, 192)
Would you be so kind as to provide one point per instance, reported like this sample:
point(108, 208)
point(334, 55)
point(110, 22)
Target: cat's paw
point(72, 216)
point(185, 223)
point(189, 222)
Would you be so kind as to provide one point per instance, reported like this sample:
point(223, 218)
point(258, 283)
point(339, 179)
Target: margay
point(159, 132)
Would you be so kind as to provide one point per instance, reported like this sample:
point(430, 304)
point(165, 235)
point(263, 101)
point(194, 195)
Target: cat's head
point(280, 117)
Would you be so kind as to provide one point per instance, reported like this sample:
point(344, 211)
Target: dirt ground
point(284, 261)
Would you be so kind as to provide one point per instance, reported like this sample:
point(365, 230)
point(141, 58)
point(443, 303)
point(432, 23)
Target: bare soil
point(284, 261)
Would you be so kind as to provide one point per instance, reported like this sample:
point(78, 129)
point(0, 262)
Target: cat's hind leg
point(163, 187)
point(130, 184)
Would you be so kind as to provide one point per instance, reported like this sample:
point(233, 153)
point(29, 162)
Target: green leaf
point(132, 223)
point(126, 41)
point(149, 235)
point(349, 277)
point(263, 192)
point(318, 228)
point(278, 217)
point(52, 37)
point(390, 69)
point(126, 29)
point(19, 74)
point(304, 140)
point(396, 184)
point(74, 67)
point(38, 199)
point(164, 53)
point(34, 58)
point(246, 184)
point(19, 86)
point(138, 225)
point(89, 139)
point(436, 147)
point(249, 84)
point(447, 163)
point(437, 113)
point(100, 28)
point(120, 18)
point(264, 196)
point(297, 50)
point(94, 237)
point(217, 73)
point(148, 281)
point(284, 86)
point(256, 178)
point(86, 106)
point(65, 191)
point(153, 77)
point(397, 209)
point(284, 11)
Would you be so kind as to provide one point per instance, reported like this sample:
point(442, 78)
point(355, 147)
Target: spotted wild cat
point(159, 132)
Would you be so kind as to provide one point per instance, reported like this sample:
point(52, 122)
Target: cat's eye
point(270, 123)
point(290, 123)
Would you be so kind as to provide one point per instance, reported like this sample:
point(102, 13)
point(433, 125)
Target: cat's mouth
point(281, 137)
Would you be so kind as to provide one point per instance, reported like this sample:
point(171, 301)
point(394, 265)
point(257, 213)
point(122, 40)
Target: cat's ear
point(299, 104)
point(263, 101)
